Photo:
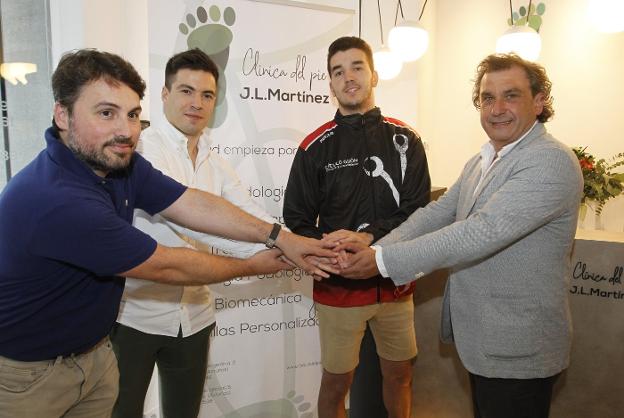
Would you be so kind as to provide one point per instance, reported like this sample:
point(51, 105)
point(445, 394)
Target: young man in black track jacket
point(360, 175)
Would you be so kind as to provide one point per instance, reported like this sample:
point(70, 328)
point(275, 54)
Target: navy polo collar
point(66, 159)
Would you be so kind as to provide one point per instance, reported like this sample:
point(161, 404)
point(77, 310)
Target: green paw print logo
point(534, 16)
point(210, 32)
point(293, 406)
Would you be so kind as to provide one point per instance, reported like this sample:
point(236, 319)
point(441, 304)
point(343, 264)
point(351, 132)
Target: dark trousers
point(511, 398)
point(366, 394)
point(181, 361)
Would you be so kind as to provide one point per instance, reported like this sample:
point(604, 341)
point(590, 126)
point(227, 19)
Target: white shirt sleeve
point(232, 190)
point(379, 260)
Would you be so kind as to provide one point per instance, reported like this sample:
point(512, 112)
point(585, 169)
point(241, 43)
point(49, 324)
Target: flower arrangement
point(600, 183)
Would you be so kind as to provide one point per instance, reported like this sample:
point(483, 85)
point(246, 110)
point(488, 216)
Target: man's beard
point(356, 106)
point(96, 159)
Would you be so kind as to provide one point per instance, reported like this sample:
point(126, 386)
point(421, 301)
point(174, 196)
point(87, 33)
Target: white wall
point(587, 69)
point(116, 26)
point(433, 94)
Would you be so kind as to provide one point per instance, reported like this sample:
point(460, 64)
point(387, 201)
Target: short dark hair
point(538, 80)
point(193, 59)
point(349, 42)
point(83, 66)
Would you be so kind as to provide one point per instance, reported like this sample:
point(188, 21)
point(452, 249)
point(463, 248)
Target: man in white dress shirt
point(170, 325)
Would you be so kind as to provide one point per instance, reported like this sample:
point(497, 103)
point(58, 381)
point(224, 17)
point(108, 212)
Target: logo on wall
point(214, 39)
point(293, 405)
point(583, 273)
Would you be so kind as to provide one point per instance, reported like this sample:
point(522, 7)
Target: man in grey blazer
point(505, 229)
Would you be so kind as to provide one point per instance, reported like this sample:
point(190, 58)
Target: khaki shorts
point(341, 331)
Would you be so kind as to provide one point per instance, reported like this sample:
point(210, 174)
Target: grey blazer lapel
point(474, 174)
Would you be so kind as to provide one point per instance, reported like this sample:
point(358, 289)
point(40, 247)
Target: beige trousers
point(79, 386)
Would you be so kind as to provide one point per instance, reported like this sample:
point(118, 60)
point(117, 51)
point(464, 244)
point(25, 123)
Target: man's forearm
point(212, 214)
point(183, 266)
point(201, 240)
point(206, 212)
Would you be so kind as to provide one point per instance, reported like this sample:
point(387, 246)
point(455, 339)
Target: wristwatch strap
point(270, 242)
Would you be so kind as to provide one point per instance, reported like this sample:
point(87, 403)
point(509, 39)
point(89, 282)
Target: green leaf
point(613, 191)
point(596, 188)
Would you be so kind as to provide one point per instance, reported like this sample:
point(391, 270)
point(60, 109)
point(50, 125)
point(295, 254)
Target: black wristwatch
point(270, 242)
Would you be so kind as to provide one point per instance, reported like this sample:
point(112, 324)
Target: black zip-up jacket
point(364, 173)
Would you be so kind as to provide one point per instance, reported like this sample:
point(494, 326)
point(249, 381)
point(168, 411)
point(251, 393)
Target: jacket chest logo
point(336, 165)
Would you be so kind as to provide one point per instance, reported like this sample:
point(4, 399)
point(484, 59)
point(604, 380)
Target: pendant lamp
point(387, 63)
point(522, 40)
point(409, 40)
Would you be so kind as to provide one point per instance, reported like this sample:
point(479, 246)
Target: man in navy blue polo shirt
point(66, 242)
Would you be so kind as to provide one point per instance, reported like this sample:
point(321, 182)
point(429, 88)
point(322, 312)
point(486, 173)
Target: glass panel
point(26, 106)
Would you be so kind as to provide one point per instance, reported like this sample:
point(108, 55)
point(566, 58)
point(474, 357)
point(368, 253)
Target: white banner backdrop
point(273, 90)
